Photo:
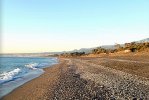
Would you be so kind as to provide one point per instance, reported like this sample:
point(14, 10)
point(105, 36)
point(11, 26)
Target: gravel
point(84, 80)
point(123, 85)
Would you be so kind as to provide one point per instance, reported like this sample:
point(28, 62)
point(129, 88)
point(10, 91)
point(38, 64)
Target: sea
point(15, 71)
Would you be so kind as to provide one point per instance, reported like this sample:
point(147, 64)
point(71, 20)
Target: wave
point(32, 65)
point(15, 74)
point(18, 72)
point(6, 76)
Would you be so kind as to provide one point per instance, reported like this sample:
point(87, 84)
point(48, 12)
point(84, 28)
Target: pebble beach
point(83, 79)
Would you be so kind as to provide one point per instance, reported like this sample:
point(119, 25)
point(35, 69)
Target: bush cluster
point(133, 47)
point(73, 54)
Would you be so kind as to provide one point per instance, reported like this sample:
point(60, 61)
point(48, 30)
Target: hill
point(143, 40)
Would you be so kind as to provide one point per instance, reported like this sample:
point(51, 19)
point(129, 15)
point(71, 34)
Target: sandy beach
point(102, 78)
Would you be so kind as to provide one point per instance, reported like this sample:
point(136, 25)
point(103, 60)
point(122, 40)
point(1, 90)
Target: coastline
point(37, 87)
point(88, 79)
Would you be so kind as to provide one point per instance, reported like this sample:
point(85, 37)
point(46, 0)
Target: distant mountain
point(108, 46)
point(88, 50)
point(143, 40)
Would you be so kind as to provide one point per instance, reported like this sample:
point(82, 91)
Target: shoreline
point(25, 72)
point(88, 79)
point(34, 85)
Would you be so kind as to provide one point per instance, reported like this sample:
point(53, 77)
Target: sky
point(62, 25)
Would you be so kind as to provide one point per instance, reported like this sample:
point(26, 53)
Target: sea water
point(15, 71)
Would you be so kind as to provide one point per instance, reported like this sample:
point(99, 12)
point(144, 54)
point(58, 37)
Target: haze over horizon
point(61, 25)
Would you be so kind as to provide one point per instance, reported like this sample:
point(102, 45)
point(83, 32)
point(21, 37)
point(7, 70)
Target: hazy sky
point(57, 25)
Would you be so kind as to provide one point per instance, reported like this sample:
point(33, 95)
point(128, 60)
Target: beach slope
point(88, 78)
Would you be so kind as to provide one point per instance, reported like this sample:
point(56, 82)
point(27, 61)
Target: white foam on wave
point(32, 65)
point(6, 76)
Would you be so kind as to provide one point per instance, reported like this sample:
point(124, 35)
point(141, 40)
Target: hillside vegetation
point(127, 47)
